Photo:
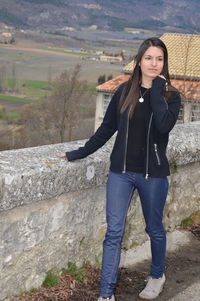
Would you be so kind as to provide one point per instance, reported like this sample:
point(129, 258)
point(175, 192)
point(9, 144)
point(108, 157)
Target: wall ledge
point(34, 174)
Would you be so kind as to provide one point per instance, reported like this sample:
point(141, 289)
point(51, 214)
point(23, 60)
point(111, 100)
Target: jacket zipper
point(124, 167)
point(147, 161)
point(156, 151)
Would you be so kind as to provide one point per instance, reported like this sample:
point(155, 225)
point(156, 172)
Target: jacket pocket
point(157, 154)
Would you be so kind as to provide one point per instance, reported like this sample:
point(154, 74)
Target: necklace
point(141, 99)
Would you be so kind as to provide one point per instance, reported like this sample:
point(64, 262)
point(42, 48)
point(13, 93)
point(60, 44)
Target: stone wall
point(52, 211)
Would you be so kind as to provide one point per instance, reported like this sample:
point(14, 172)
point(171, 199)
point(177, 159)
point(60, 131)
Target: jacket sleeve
point(105, 131)
point(165, 113)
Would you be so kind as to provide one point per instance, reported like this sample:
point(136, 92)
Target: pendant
point(141, 99)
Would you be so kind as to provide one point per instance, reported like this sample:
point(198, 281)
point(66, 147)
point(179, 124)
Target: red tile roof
point(111, 85)
point(189, 88)
point(184, 55)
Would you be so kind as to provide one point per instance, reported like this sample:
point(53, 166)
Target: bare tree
point(49, 76)
point(68, 92)
point(14, 78)
point(3, 78)
point(53, 119)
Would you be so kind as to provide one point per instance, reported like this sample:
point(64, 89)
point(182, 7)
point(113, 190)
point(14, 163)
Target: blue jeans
point(153, 193)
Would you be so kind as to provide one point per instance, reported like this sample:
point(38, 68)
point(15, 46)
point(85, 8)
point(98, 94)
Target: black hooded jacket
point(164, 114)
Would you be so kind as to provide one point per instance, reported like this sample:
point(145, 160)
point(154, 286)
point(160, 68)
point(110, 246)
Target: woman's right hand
point(62, 155)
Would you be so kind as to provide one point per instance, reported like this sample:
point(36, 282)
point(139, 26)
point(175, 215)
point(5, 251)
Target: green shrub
point(186, 222)
point(51, 279)
point(77, 274)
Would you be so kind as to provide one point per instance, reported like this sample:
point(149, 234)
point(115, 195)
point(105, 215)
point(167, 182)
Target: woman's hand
point(62, 155)
point(166, 84)
point(162, 76)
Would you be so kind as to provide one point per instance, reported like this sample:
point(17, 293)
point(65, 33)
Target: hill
point(113, 15)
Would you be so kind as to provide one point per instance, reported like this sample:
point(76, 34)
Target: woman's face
point(152, 62)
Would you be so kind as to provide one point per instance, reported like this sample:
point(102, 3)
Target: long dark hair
point(131, 91)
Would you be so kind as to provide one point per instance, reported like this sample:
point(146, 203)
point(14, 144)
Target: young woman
point(142, 111)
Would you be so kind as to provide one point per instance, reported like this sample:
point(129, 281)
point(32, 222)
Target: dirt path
point(38, 50)
point(183, 269)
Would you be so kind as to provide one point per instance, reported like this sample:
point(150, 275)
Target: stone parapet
point(33, 174)
point(53, 211)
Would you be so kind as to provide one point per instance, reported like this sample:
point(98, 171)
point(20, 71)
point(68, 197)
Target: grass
point(192, 220)
point(9, 116)
point(36, 84)
point(39, 88)
point(78, 274)
point(51, 279)
point(15, 98)
point(90, 88)
point(134, 244)
point(186, 222)
point(30, 88)
point(35, 88)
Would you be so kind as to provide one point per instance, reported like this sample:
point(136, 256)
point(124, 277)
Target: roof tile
point(184, 55)
point(111, 85)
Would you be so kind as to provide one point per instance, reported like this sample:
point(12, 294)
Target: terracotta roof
point(111, 85)
point(184, 55)
point(189, 88)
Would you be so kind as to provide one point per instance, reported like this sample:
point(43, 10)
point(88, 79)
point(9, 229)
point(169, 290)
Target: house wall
point(99, 110)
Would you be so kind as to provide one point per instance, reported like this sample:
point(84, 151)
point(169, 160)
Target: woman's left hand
point(166, 83)
point(162, 76)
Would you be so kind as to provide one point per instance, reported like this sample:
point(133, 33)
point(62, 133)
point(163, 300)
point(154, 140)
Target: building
point(6, 37)
point(184, 62)
point(111, 59)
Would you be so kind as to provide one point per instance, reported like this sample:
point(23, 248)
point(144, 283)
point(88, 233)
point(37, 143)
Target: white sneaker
point(153, 288)
point(103, 299)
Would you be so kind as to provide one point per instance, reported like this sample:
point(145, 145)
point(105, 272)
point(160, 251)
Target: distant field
point(32, 90)
point(37, 89)
point(13, 104)
point(35, 64)
point(66, 51)
point(11, 115)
